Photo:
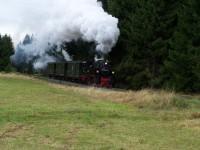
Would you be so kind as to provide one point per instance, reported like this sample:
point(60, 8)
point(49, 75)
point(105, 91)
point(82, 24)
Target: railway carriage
point(97, 73)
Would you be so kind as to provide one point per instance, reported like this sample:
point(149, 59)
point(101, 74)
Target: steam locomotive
point(96, 73)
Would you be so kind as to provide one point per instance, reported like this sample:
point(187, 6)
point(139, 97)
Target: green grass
point(38, 115)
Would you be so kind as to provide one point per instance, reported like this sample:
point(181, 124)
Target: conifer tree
point(183, 66)
point(146, 28)
point(6, 50)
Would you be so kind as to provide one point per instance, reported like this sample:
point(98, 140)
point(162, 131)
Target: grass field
point(38, 115)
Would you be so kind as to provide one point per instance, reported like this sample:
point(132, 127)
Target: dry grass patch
point(141, 99)
point(195, 115)
point(13, 131)
point(192, 124)
point(16, 76)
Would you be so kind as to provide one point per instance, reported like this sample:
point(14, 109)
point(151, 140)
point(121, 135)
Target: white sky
point(18, 17)
point(59, 20)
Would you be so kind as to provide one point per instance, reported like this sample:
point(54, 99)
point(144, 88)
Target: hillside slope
point(36, 114)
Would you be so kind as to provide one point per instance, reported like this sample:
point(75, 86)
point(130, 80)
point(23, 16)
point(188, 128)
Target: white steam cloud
point(53, 22)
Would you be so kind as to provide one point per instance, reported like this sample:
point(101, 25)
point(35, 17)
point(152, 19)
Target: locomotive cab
point(104, 75)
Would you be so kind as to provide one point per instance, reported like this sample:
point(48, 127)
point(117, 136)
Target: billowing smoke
point(53, 22)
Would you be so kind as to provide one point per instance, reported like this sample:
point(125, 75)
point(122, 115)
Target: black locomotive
point(96, 73)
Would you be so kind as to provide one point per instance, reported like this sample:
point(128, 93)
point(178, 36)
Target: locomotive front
point(104, 74)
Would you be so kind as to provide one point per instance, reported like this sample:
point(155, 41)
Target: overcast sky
point(20, 16)
point(55, 21)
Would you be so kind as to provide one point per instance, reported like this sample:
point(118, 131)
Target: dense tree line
point(159, 46)
point(6, 50)
point(80, 50)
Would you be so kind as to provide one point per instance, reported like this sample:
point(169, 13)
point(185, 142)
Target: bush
point(180, 103)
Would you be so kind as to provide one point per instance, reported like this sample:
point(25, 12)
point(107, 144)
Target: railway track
point(74, 84)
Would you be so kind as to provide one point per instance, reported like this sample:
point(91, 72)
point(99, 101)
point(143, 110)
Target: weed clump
point(195, 115)
point(147, 98)
point(180, 103)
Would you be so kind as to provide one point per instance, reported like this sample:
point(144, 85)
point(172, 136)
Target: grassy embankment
point(35, 114)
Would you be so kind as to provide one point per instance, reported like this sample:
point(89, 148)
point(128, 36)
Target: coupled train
point(96, 73)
